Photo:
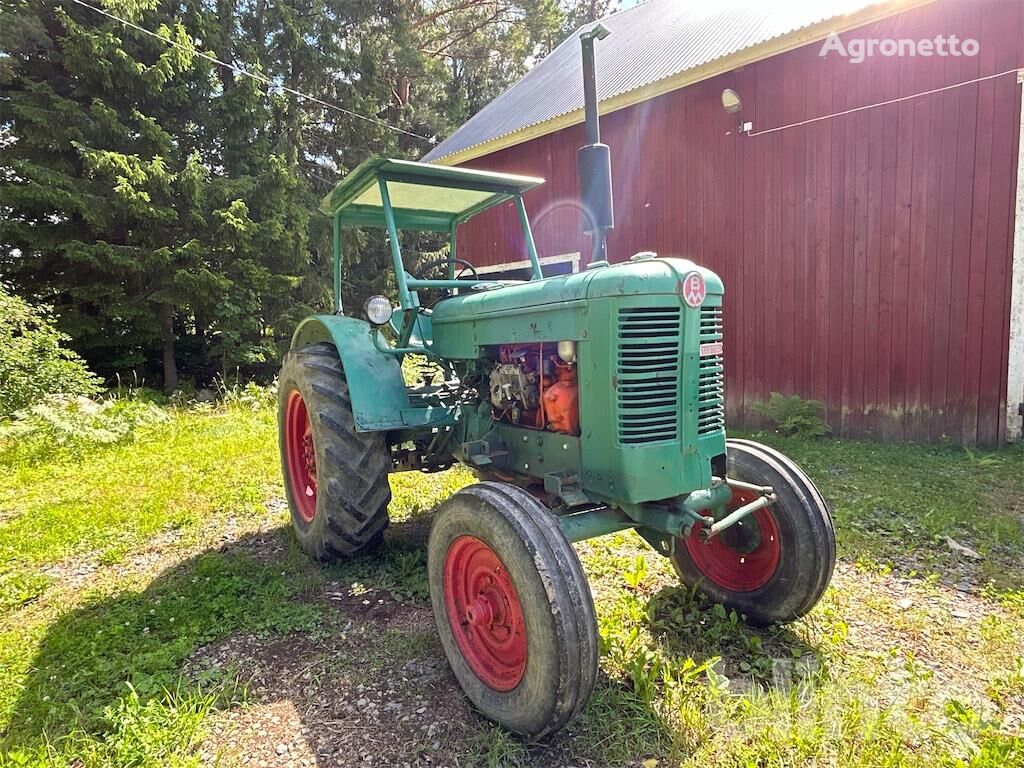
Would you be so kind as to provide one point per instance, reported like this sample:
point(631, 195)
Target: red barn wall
point(866, 257)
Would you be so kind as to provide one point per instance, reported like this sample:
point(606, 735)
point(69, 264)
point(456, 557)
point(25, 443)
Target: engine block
point(513, 386)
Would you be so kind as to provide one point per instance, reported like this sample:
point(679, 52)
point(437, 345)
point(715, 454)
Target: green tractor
point(586, 403)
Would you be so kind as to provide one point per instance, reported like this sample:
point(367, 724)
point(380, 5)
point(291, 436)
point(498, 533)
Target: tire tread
point(352, 504)
point(812, 553)
point(574, 643)
point(797, 476)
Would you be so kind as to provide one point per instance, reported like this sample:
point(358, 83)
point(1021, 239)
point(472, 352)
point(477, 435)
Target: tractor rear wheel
point(513, 608)
point(774, 565)
point(336, 479)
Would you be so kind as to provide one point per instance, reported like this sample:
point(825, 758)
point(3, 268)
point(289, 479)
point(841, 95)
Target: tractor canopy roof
point(423, 197)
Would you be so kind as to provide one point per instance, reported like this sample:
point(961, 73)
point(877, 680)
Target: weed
point(19, 588)
point(249, 395)
point(636, 574)
point(1006, 690)
point(495, 747)
point(142, 733)
point(617, 726)
point(793, 416)
point(409, 576)
point(71, 426)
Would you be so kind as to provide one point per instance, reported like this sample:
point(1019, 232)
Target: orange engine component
point(562, 402)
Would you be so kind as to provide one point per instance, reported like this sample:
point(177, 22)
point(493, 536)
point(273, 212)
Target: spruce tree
point(164, 205)
point(145, 200)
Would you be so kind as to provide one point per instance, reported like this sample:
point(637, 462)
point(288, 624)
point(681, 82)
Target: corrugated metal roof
point(649, 42)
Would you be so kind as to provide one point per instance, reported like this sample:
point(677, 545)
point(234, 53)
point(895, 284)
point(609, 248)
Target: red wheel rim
point(484, 613)
point(741, 558)
point(300, 456)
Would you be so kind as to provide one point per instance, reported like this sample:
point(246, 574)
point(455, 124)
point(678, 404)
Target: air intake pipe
point(594, 160)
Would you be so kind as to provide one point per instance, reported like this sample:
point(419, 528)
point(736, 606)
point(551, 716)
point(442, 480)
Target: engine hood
point(649, 276)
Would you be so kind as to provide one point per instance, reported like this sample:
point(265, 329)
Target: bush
point(251, 396)
point(72, 425)
point(795, 417)
point(33, 362)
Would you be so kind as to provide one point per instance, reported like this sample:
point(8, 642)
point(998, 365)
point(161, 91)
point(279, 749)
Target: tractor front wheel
point(774, 565)
point(513, 608)
point(336, 479)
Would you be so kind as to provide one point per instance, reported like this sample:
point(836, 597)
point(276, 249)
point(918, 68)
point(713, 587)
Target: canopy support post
point(404, 297)
point(531, 247)
point(451, 251)
point(336, 263)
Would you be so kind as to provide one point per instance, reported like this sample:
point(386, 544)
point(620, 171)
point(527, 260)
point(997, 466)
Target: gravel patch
point(350, 697)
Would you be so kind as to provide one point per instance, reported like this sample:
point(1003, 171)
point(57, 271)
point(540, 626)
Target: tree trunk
point(167, 330)
point(401, 90)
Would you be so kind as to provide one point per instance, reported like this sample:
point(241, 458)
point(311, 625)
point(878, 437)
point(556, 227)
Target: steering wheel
point(433, 263)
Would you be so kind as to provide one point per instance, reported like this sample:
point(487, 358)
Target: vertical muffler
point(594, 159)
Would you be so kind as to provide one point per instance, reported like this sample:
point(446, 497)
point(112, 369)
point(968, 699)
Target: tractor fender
point(380, 401)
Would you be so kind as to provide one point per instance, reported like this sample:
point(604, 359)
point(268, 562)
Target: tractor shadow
point(306, 665)
point(332, 665)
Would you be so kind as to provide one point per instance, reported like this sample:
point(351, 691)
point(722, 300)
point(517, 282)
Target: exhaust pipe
point(594, 160)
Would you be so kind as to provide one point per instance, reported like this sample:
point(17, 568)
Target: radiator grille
point(647, 372)
point(710, 390)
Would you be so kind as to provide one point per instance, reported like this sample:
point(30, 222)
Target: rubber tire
point(825, 573)
point(558, 609)
point(352, 467)
point(807, 540)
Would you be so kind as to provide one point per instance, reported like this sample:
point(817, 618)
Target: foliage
point(72, 426)
point(33, 359)
point(126, 208)
point(793, 416)
point(249, 395)
point(154, 733)
point(580, 12)
point(464, 53)
point(162, 204)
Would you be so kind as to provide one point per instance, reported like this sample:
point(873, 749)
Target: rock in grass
point(960, 549)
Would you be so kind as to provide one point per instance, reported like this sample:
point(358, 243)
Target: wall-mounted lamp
point(731, 101)
point(732, 104)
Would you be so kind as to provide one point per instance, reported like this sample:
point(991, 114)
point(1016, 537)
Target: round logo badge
point(694, 289)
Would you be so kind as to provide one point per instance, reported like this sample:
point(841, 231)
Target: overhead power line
point(883, 103)
point(254, 75)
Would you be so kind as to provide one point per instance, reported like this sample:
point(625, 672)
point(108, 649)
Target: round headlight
point(378, 309)
point(567, 351)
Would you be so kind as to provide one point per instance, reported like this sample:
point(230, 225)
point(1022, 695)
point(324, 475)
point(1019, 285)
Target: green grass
point(197, 465)
point(161, 731)
point(894, 504)
point(82, 661)
point(116, 569)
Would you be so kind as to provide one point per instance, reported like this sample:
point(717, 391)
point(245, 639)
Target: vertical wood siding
point(866, 257)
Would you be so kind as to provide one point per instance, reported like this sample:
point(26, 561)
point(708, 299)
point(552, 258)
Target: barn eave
point(781, 44)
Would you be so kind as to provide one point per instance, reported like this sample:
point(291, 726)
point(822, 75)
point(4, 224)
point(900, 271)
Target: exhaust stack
point(594, 160)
